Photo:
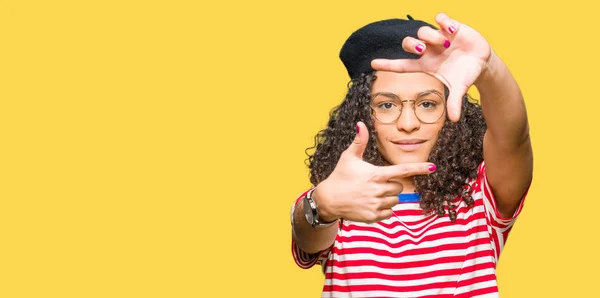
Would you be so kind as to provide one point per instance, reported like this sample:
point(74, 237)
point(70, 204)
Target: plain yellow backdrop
point(154, 148)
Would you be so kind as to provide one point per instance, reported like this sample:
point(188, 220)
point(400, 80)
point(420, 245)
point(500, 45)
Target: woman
point(416, 186)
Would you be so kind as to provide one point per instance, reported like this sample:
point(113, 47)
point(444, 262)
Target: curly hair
point(456, 154)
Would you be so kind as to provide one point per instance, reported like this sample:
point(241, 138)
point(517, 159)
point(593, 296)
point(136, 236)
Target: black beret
point(382, 39)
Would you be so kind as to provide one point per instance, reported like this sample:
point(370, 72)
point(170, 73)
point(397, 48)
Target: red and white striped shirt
point(414, 255)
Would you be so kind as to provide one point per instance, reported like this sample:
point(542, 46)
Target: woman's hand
point(455, 54)
point(359, 191)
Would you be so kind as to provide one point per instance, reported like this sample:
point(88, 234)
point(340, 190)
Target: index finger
point(404, 170)
point(396, 65)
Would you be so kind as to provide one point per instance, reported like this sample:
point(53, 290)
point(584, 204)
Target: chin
point(406, 158)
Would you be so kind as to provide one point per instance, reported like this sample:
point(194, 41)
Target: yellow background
point(154, 148)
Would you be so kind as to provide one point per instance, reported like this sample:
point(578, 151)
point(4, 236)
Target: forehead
point(405, 84)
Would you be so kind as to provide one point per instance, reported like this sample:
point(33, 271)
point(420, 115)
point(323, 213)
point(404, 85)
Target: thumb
point(455, 103)
point(358, 146)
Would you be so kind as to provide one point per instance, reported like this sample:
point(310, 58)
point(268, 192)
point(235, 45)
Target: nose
point(408, 121)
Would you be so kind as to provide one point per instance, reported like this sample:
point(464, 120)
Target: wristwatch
point(312, 213)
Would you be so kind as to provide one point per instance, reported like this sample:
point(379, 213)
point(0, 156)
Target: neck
point(408, 185)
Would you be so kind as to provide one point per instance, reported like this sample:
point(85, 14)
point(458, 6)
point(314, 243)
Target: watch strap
point(317, 222)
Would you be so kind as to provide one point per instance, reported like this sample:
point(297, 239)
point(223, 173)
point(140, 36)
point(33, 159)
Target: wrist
point(489, 72)
point(326, 213)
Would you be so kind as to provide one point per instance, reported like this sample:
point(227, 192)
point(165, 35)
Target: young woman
point(416, 186)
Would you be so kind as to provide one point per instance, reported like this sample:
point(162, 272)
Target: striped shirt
point(416, 255)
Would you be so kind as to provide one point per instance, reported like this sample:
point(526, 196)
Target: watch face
point(309, 217)
point(308, 211)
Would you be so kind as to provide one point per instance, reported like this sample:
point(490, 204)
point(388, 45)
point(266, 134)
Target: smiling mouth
point(408, 142)
point(409, 145)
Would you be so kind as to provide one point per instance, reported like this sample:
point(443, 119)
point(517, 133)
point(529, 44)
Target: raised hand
point(359, 191)
point(455, 54)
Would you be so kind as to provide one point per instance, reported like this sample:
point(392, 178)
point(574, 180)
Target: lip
point(409, 144)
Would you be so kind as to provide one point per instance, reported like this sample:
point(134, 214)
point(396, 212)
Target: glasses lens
point(429, 107)
point(386, 107)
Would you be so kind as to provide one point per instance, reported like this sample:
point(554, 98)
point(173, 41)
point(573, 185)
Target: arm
point(311, 240)
point(356, 191)
point(506, 146)
point(469, 60)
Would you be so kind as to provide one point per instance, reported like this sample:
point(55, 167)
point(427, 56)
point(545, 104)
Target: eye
point(428, 105)
point(384, 106)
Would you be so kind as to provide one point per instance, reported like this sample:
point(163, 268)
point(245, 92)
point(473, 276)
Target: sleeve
point(497, 221)
point(303, 259)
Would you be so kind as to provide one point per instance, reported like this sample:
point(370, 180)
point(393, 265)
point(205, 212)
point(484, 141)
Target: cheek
point(436, 134)
point(381, 135)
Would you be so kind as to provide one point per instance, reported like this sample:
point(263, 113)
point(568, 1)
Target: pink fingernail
point(432, 168)
point(446, 44)
point(357, 128)
point(451, 29)
point(419, 48)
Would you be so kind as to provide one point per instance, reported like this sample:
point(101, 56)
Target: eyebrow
point(418, 94)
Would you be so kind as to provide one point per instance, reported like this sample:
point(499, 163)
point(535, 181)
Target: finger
point(413, 45)
point(390, 188)
point(396, 65)
point(433, 37)
point(455, 102)
point(447, 24)
point(385, 214)
point(404, 170)
point(358, 146)
point(389, 202)
point(409, 44)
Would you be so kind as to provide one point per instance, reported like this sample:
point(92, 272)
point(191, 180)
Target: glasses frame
point(414, 101)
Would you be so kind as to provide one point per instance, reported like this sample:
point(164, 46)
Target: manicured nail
point(446, 44)
point(451, 29)
point(432, 168)
point(357, 128)
point(419, 48)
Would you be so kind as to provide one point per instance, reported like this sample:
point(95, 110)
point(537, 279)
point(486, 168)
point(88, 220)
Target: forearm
point(506, 145)
point(502, 104)
point(309, 239)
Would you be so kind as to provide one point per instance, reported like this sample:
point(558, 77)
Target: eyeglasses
point(429, 107)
